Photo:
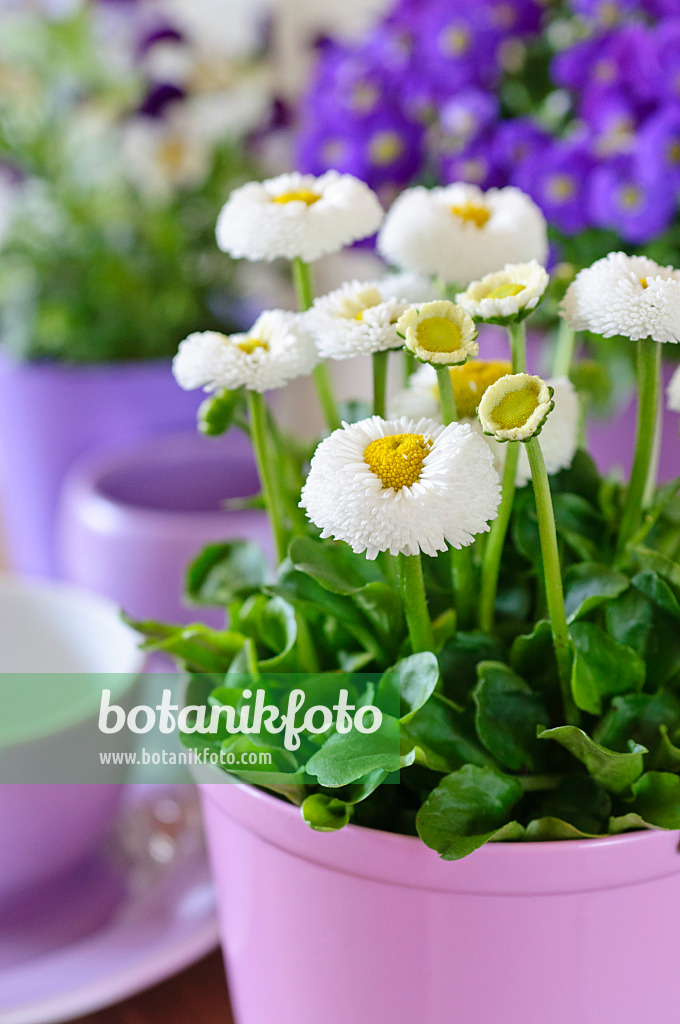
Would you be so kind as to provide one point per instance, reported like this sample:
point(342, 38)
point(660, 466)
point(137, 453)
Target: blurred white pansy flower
point(163, 154)
point(628, 295)
point(276, 350)
point(460, 233)
point(402, 486)
point(297, 215)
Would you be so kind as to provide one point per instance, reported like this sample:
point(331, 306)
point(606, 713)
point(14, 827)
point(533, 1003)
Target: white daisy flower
point(673, 392)
point(559, 436)
point(275, 351)
point(439, 333)
point(461, 233)
point(628, 295)
point(297, 215)
point(508, 294)
point(355, 320)
point(402, 486)
point(515, 407)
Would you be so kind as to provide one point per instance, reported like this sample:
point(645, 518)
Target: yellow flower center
point(455, 40)
point(172, 154)
point(643, 282)
point(471, 380)
point(561, 187)
point(473, 212)
point(248, 345)
point(673, 153)
point(505, 291)
point(631, 197)
point(364, 97)
point(437, 334)
point(300, 195)
point(515, 408)
point(385, 147)
point(398, 459)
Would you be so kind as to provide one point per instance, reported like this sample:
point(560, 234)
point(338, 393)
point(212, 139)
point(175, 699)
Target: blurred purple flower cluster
point(576, 103)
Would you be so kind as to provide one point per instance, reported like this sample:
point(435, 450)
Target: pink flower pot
point(373, 928)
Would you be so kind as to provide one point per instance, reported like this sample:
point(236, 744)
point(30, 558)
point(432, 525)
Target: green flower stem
point(380, 360)
point(649, 369)
point(564, 350)
point(496, 540)
point(289, 478)
point(408, 366)
point(304, 289)
point(266, 470)
point(553, 575)
point(518, 346)
point(447, 399)
point(415, 603)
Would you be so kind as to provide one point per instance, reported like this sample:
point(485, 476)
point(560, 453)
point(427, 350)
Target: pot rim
point(497, 869)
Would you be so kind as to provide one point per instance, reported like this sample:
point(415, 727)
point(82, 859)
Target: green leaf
point(222, 573)
point(325, 813)
point(653, 561)
point(277, 627)
point(508, 715)
point(346, 757)
point(459, 658)
point(616, 772)
point(602, 667)
point(638, 717)
point(542, 830)
point(467, 809)
point(635, 620)
point(533, 657)
point(657, 799)
point(217, 413)
point(333, 564)
point(408, 685)
point(589, 584)
point(578, 800)
point(627, 823)
point(659, 593)
point(667, 755)
point(445, 739)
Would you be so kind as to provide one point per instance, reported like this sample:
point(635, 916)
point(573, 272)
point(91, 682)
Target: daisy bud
point(506, 296)
point(439, 333)
point(515, 407)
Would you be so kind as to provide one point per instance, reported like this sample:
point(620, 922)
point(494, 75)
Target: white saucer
point(139, 912)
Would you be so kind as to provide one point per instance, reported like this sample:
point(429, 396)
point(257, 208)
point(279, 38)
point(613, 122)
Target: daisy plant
point(533, 692)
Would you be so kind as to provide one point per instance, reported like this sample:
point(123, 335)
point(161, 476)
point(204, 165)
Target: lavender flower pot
point(67, 638)
point(53, 413)
point(132, 520)
point(373, 928)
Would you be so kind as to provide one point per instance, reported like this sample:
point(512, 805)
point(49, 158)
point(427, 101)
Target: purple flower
point(162, 33)
point(611, 119)
point(456, 46)
point(606, 12)
point(463, 117)
point(555, 178)
point(386, 149)
point(617, 60)
point(659, 144)
point(515, 142)
point(475, 164)
point(662, 60)
point(631, 200)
